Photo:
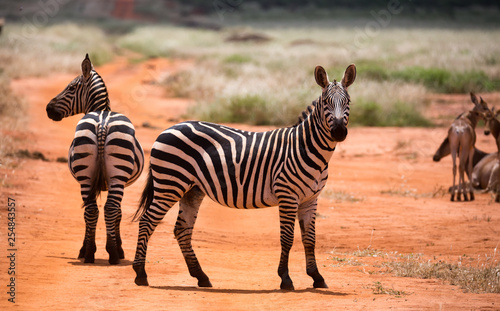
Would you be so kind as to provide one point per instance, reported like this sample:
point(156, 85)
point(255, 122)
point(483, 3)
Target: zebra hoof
point(141, 278)
point(141, 281)
point(204, 283)
point(320, 284)
point(89, 258)
point(287, 285)
point(81, 254)
point(114, 256)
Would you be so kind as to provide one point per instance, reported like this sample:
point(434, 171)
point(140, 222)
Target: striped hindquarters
point(104, 152)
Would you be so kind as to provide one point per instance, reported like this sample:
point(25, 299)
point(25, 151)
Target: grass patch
point(55, 48)
point(447, 81)
point(396, 114)
point(12, 117)
point(249, 108)
point(339, 196)
point(484, 278)
point(474, 275)
point(237, 59)
point(440, 80)
point(388, 103)
point(379, 289)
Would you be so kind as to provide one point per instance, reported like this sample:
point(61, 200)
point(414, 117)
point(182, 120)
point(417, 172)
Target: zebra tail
point(146, 197)
point(98, 182)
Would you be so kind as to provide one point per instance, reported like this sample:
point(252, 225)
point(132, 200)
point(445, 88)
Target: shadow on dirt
point(246, 291)
point(98, 262)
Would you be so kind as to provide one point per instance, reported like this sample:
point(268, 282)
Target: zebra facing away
point(287, 167)
point(104, 155)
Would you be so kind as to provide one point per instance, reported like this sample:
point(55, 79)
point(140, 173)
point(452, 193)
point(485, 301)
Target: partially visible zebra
point(286, 167)
point(104, 155)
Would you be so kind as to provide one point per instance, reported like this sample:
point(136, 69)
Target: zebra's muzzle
point(339, 130)
point(53, 113)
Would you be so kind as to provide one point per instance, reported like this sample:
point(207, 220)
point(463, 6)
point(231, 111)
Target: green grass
point(397, 114)
point(439, 80)
point(237, 59)
point(249, 108)
point(446, 81)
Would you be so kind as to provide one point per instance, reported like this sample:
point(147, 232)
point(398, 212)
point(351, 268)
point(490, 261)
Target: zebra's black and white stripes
point(104, 155)
point(286, 167)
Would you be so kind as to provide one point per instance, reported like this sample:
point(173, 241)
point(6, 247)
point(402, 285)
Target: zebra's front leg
point(112, 215)
point(287, 225)
point(307, 221)
point(188, 211)
point(88, 249)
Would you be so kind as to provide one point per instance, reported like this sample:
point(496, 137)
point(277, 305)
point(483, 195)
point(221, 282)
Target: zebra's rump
point(105, 151)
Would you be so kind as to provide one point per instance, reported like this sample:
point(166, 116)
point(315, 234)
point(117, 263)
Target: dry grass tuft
point(482, 278)
point(379, 289)
point(12, 118)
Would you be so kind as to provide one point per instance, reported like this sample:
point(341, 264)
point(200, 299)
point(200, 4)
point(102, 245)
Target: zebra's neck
point(97, 96)
point(317, 138)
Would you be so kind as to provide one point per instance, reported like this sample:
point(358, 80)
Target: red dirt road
point(384, 194)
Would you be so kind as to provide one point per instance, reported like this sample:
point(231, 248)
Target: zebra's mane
point(306, 112)
point(98, 78)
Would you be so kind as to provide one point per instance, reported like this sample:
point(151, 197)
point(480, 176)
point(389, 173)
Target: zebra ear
point(349, 76)
point(321, 76)
point(86, 67)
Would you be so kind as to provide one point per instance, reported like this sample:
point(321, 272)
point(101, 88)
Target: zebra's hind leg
point(88, 249)
point(307, 220)
point(188, 211)
point(121, 253)
point(147, 225)
point(112, 215)
point(287, 225)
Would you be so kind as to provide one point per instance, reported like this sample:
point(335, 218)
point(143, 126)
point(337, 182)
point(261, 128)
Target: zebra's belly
point(242, 198)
